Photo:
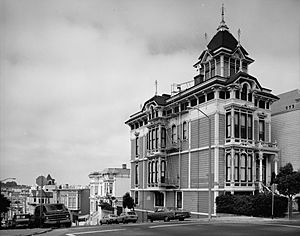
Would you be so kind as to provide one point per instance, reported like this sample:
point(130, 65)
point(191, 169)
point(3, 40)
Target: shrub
point(251, 205)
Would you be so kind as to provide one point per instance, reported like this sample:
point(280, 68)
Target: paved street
point(190, 228)
point(236, 225)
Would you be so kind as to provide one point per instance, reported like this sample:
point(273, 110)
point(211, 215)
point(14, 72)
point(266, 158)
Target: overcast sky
point(72, 72)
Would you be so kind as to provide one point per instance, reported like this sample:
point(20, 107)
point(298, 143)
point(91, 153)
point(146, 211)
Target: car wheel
point(68, 225)
point(166, 219)
point(100, 222)
point(181, 219)
point(151, 220)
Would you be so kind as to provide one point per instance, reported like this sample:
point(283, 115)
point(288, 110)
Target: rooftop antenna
point(155, 87)
point(205, 36)
point(239, 36)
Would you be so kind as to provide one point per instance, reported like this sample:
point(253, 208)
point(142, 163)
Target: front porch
point(249, 170)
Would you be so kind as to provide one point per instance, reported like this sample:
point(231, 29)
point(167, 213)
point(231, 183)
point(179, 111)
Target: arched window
point(236, 167)
point(153, 172)
point(163, 172)
point(228, 167)
point(228, 124)
point(149, 172)
point(243, 170)
point(184, 130)
point(244, 92)
point(152, 112)
point(136, 197)
point(163, 137)
point(136, 174)
point(174, 134)
point(156, 171)
point(249, 168)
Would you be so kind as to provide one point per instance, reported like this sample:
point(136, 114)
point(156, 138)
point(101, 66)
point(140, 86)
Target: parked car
point(109, 219)
point(168, 214)
point(21, 220)
point(126, 217)
point(52, 215)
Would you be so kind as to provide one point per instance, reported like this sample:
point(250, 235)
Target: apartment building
point(223, 118)
point(286, 127)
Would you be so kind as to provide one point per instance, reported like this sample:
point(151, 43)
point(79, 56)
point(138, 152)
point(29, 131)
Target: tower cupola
point(223, 57)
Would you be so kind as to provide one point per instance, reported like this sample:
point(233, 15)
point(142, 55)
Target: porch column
point(159, 139)
point(232, 124)
point(232, 170)
point(276, 159)
point(222, 65)
point(261, 157)
point(159, 171)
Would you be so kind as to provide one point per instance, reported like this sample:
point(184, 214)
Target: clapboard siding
point(184, 171)
point(190, 200)
point(132, 149)
point(148, 200)
point(140, 184)
point(199, 168)
point(200, 132)
point(195, 134)
point(256, 130)
point(221, 168)
point(285, 130)
point(172, 169)
point(132, 174)
point(170, 199)
point(221, 129)
point(267, 133)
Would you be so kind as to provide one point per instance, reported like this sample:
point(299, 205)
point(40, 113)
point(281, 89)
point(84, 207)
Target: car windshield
point(55, 207)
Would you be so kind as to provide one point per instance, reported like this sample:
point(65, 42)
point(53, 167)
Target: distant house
point(38, 196)
point(18, 196)
point(75, 198)
point(286, 127)
point(108, 185)
point(41, 196)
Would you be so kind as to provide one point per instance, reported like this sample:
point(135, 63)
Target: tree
point(128, 201)
point(4, 205)
point(288, 183)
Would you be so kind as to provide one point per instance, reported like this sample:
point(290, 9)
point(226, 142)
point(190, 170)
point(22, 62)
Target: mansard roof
point(158, 100)
point(236, 76)
point(223, 38)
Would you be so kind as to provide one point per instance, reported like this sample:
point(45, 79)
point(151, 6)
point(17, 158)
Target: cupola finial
point(222, 25)
point(239, 36)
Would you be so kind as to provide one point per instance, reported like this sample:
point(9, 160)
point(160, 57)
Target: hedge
point(252, 205)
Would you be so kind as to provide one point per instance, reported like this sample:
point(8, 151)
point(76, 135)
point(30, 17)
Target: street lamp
point(209, 158)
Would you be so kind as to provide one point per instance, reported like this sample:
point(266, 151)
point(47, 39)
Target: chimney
point(124, 166)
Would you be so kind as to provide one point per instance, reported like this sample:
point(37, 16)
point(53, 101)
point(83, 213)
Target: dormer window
point(244, 92)
point(152, 112)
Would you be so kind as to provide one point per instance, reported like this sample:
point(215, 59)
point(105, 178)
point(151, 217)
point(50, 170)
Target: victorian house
point(224, 119)
point(108, 185)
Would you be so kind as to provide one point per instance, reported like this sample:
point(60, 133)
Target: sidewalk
point(24, 232)
point(226, 218)
point(238, 219)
